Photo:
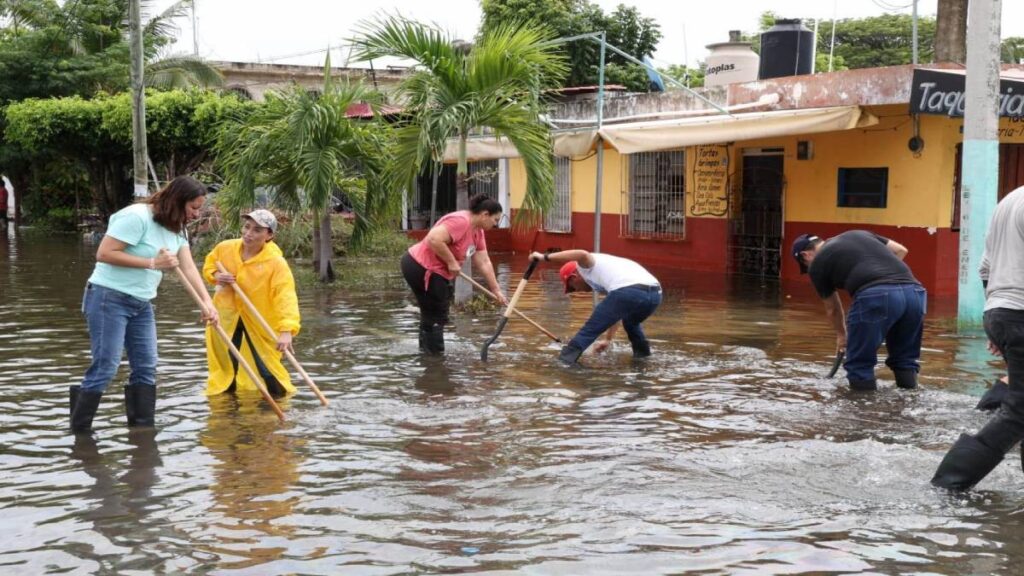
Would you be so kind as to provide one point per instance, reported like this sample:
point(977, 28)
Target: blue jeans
point(118, 322)
point(893, 313)
point(631, 304)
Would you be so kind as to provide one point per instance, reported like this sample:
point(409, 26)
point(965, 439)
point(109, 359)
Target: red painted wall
point(932, 257)
point(705, 247)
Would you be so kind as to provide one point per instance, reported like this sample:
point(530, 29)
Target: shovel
point(508, 309)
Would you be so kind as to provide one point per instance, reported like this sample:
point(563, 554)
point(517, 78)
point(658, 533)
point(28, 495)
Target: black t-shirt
point(855, 260)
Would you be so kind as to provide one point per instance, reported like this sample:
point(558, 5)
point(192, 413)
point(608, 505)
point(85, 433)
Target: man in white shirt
point(1002, 272)
point(632, 295)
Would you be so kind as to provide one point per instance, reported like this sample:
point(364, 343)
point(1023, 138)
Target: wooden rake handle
point(273, 335)
point(234, 351)
point(480, 287)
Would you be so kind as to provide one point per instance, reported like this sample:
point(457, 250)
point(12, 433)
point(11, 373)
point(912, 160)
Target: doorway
point(756, 231)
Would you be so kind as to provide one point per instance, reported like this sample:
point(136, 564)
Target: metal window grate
point(483, 178)
point(559, 217)
point(655, 195)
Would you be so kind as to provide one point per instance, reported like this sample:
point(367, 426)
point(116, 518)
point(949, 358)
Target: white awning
point(571, 144)
point(718, 129)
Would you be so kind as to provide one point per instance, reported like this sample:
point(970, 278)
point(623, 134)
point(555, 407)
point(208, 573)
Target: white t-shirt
point(1002, 265)
point(612, 272)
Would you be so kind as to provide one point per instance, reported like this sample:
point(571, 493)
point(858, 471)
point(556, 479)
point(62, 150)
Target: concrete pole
point(600, 149)
point(913, 28)
point(980, 168)
point(195, 33)
point(139, 152)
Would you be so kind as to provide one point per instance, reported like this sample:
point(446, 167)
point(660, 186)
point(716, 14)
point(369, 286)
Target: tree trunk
point(951, 31)
point(463, 291)
point(326, 250)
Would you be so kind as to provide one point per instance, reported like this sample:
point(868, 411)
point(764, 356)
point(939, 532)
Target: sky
point(301, 31)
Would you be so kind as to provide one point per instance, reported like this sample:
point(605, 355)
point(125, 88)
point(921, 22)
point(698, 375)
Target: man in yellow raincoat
point(256, 263)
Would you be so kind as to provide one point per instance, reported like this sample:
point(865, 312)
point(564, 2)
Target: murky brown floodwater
point(727, 452)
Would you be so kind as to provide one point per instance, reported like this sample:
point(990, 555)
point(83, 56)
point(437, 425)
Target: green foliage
point(625, 28)
point(493, 85)
point(95, 135)
point(1012, 50)
point(877, 41)
point(692, 77)
point(302, 148)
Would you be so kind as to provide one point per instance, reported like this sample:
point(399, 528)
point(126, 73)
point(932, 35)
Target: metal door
point(756, 234)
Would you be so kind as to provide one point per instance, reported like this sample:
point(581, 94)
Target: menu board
point(711, 181)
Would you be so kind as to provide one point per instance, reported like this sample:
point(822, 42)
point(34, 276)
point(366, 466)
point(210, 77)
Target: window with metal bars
point(655, 195)
point(559, 217)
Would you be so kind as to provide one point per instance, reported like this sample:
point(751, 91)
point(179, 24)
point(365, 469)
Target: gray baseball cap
point(264, 218)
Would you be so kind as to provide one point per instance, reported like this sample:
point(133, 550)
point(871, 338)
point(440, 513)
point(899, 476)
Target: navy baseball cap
point(803, 242)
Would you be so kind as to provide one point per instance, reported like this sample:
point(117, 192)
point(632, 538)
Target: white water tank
point(731, 62)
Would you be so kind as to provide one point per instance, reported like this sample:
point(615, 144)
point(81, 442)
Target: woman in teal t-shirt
point(141, 242)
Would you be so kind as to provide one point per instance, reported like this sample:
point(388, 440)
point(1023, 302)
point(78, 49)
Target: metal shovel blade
point(492, 339)
point(840, 356)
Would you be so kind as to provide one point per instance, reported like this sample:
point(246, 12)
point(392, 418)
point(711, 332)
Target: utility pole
point(913, 27)
point(139, 152)
point(195, 34)
point(600, 149)
point(980, 168)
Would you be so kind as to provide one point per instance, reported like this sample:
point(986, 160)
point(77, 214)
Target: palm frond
point(162, 25)
point(181, 71)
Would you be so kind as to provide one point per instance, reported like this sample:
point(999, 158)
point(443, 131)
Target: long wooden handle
point(234, 351)
point(273, 335)
point(479, 287)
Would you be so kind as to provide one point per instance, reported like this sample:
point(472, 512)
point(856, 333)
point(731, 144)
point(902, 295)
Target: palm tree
point(494, 84)
point(303, 148)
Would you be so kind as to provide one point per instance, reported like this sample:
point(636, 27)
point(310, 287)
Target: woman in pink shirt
point(432, 264)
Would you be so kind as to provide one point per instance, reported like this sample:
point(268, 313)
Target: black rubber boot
point(994, 396)
point(906, 379)
point(84, 409)
point(569, 354)
point(140, 405)
point(434, 339)
point(1001, 432)
point(966, 463)
point(424, 336)
point(863, 385)
point(73, 397)
point(641, 349)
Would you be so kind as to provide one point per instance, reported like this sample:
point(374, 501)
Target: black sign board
point(938, 92)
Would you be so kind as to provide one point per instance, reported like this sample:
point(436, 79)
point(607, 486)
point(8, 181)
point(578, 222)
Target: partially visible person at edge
point(258, 266)
point(889, 304)
point(1002, 273)
point(430, 266)
point(142, 242)
point(632, 295)
point(3, 202)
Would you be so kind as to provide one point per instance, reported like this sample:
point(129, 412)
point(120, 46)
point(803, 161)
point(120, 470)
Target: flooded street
point(728, 451)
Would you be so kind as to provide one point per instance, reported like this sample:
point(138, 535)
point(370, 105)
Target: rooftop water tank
point(786, 50)
point(730, 62)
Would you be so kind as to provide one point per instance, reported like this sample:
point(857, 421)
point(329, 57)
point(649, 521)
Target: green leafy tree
point(95, 135)
point(302, 148)
point(625, 28)
point(1012, 50)
point(452, 92)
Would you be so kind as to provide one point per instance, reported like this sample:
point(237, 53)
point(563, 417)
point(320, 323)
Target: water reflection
point(255, 471)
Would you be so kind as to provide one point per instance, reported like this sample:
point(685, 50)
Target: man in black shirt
point(888, 302)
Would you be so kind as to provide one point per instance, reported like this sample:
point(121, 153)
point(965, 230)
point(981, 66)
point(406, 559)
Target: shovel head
point(492, 339)
point(840, 356)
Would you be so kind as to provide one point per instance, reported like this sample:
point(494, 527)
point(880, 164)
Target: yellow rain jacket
point(267, 280)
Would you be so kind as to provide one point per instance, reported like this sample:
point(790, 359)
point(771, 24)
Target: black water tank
point(786, 50)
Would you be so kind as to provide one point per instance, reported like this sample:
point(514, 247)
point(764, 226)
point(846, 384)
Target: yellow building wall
point(920, 191)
